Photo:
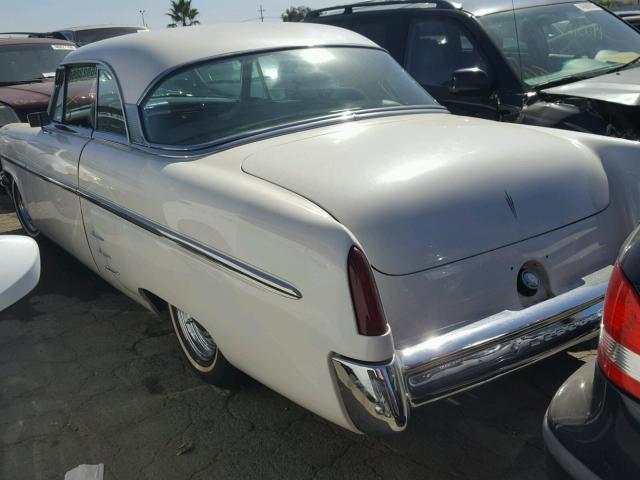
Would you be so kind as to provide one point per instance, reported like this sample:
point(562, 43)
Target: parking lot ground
point(88, 376)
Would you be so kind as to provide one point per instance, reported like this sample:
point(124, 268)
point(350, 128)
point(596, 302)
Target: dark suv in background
point(571, 65)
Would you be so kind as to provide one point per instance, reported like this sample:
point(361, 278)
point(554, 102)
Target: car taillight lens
point(364, 295)
point(619, 348)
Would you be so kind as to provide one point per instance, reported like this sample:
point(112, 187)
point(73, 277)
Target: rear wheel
point(201, 351)
point(22, 213)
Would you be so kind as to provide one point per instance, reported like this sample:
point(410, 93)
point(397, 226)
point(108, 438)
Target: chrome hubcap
point(24, 213)
point(200, 343)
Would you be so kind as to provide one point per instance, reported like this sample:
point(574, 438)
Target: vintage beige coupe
point(307, 214)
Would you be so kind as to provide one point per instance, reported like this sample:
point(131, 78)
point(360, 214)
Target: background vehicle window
point(438, 47)
point(81, 95)
point(30, 63)
point(227, 98)
point(110, 117)
point(563, 40)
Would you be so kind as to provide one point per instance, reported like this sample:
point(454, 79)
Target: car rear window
point(223, 99)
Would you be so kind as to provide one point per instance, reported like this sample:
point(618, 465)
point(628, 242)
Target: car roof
point(475, 7)
point(31, 40)
point(137, 60)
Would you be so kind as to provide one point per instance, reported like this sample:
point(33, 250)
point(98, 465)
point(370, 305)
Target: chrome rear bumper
point(378, 397)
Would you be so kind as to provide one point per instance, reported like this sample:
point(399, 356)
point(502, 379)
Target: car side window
point(80, 95)
point(436, 48)
point(110, 116)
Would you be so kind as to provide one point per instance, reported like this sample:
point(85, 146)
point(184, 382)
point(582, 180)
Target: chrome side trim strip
point(209, 253)
point(46, 178)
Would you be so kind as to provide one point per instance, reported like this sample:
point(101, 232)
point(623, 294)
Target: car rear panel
point(426, 304)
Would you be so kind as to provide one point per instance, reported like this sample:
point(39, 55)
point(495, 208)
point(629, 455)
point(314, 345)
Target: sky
point(47, 15)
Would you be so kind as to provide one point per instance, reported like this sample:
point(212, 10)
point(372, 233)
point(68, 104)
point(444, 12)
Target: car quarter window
point(222, 99)
point(436, 48)
point(80, 95)
point(110, 116)
point(58, 102)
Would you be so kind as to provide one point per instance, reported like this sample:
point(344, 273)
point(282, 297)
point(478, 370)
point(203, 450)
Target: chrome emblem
point(511, 204)
point(530, 280)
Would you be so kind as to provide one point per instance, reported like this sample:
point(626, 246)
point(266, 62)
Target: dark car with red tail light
point(592, 427)
point(27, 68)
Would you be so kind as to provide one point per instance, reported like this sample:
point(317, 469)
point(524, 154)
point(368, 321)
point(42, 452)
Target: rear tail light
point(619, 349)
point(364, 295)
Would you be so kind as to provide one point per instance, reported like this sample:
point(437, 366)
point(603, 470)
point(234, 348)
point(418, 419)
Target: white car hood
point(424, 190)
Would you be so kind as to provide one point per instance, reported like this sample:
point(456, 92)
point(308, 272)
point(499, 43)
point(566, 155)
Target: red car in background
point(27, 68)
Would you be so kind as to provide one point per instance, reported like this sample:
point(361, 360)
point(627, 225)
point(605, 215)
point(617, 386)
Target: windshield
point(547, 44)
point(84, 37)
point(236, 96)
point(30, 63)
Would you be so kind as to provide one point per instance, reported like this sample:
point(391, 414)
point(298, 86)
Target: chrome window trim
point(110, 137)
point(99, 64)
point(107, 68)
point(188, 152)
point(58, 127)
point(228, 262)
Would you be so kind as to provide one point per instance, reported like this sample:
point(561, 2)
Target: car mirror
point(470, 81)
point(38, 119)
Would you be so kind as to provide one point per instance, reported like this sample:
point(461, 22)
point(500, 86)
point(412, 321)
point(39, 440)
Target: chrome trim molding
point(226, 261)
point(46, 178)
point(272, 132)
point(372, 394)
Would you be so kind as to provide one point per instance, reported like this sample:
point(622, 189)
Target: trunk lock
point(532, 284)
point(528, 283)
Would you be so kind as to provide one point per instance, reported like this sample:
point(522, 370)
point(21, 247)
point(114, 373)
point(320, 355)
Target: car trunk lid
point(425, 190)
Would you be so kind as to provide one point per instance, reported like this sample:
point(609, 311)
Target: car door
point(438, 46)
point(108, 148)
point(54, 153)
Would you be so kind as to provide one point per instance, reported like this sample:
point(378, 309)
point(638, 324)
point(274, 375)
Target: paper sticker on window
point(587, 7)
point(63, 47)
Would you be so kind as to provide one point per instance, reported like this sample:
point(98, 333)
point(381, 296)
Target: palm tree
point(295, 14)
point(182, 14)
